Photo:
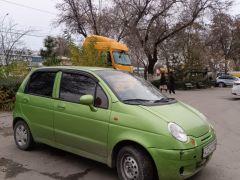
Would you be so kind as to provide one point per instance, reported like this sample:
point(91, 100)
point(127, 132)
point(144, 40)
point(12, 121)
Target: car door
point(231, 80)
point(76, 126)
point(37, 105)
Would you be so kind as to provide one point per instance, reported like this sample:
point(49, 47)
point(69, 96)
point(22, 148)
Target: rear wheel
point(22, 136)
point(134, 164)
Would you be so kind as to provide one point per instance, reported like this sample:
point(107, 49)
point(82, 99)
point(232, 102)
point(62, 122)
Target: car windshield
point(121, 58)
point(132, 89)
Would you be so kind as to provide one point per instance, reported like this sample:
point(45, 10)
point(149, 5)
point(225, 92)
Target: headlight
point(177, 132)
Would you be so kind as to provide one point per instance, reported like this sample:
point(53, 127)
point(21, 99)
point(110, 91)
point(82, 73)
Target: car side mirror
point(88, 100)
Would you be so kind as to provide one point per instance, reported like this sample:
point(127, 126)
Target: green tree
point(54, 49)
point(50, 46)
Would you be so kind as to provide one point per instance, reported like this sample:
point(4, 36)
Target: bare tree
point(88, 17)
point(235, 52)
point(10, 38)
point(154, 21)
point(222, 37)
point(80, 17)
point(138, 56)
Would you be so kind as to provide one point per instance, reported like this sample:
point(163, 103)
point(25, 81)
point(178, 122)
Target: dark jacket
point(163, 80)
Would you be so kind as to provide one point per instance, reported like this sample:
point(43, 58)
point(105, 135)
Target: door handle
point(61, 106)
point(25, 99)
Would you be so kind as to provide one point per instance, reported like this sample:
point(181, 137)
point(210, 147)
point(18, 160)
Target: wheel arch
point(124, 143)
point(16, 119)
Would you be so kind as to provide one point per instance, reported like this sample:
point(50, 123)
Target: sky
point(39, 15)
point(40, 21)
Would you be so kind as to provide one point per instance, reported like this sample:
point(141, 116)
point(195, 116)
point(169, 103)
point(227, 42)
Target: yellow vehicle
point(117, 53)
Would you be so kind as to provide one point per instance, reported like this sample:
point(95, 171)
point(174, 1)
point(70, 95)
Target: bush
point(211, 83)
point(8, 89)
point(52, 61)
point(14, 70)
point(156, 83)
point(178, 84)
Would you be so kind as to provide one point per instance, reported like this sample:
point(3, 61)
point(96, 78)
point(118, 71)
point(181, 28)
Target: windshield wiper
point(164, 100)
point(134, 100)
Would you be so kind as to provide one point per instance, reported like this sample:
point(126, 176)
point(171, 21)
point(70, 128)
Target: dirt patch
point(11, 168)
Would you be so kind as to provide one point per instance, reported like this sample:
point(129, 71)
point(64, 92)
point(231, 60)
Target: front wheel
point(134, 164)
point(22, 136)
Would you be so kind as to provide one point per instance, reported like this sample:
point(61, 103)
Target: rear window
point(41, 83)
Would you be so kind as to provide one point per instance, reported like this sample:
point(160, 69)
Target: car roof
point(83, 68)
point(226, 76)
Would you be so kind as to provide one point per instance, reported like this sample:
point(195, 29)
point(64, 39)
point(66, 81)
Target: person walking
point(171, 83)
point(163, 82)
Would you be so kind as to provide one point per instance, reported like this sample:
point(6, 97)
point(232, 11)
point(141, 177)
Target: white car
point(236, 88)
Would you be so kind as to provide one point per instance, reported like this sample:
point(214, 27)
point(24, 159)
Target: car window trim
point(85, 74)
point(104, 94)
point(37, 71)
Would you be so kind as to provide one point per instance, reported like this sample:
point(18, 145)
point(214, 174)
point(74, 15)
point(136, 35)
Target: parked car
point(225, 80)
point(236, 88)
point(115, 118)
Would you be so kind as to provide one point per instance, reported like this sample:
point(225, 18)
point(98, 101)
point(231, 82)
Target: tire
point(134, 164)
point(23, 136)
point(221, 85)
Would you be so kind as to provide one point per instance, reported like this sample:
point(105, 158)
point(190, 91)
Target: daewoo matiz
point(114, 118)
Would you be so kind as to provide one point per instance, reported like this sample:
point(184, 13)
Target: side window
point(74, 85)
point(109, 61)
point(101, 99)
point(41, 83)
point(106, 58)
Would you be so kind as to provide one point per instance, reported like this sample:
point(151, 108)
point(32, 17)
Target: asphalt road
point(46, 163)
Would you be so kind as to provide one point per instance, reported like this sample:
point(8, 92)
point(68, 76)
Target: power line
point(28, 7)
point(25, 34)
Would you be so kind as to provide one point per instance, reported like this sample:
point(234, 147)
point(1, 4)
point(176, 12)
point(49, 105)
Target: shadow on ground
point(232, 98)
point(72, 158)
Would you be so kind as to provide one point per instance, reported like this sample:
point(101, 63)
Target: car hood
point(193, 122)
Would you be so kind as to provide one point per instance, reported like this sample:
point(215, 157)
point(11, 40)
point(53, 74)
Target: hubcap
point(130, 167)
point(21, 135)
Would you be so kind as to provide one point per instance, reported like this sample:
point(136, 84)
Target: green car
point(115, 118)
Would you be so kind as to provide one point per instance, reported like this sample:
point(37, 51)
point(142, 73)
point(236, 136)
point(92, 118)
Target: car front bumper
point(180, 164)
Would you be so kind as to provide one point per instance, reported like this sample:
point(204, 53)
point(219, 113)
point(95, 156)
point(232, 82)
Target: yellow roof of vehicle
point(104, 43)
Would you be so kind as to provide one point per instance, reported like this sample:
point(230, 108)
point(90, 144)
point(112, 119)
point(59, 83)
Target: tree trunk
point(225, 68)
point(152, 62)
point(167, 63)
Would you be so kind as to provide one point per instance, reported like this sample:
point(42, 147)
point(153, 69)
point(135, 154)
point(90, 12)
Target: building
point(21, 55)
